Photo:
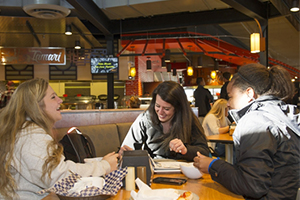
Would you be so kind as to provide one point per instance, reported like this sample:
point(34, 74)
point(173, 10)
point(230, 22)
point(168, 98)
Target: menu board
point(104, 65)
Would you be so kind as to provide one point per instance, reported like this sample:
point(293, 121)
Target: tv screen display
point(104, 65)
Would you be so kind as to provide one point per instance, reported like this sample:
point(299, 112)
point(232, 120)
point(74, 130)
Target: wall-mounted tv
point(104, 65)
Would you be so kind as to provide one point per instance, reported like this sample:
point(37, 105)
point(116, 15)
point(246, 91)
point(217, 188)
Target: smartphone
point(167, 180)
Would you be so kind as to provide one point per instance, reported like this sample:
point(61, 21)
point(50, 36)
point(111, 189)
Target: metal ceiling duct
point(45, 9)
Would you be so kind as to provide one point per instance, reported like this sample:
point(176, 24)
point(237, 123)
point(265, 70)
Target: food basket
point(113, 182)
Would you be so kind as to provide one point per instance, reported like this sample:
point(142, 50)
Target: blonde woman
point(30, 156)
point(216, 122)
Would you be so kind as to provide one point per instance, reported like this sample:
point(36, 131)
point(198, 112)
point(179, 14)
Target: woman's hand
point(124, 148)
point(202, 162)
point(177, 146)
point(112, 159)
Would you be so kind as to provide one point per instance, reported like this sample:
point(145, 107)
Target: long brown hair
point(181, 124)
point(26, 102)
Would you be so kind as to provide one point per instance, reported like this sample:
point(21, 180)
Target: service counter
point(95, 116)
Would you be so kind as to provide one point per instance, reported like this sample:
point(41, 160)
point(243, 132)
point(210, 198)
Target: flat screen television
point(104, 65)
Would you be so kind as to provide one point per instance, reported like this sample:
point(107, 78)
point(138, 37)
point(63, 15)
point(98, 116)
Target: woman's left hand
point(177, 146)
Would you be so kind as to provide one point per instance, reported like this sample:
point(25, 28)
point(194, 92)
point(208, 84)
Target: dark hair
point(199, 80)
point(173, 93)
point(274, 81)
point(226, 75)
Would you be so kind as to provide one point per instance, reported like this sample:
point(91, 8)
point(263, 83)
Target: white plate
point(195, 197)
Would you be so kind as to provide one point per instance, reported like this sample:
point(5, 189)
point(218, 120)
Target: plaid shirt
point(5, 97)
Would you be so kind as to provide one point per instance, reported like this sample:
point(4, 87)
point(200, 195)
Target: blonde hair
point(135, 102)
point(26, 102)
point(218, 109)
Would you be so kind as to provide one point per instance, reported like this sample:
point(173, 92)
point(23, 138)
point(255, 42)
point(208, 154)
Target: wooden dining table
point(228, 141)
point(205, 188)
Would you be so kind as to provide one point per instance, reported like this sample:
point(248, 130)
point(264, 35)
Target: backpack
point(77, 147)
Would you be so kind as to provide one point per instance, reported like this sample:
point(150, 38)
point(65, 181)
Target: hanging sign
point(33, 55)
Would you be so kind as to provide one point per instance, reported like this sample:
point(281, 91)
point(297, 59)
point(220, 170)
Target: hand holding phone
point(167, 180)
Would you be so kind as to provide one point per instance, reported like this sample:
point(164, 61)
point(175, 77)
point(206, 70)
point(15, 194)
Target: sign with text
point(104, 65)
point(33, 55)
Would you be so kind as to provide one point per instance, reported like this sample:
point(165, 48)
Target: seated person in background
point(216, 122)
point(168, 128)
point(134, 102)
point(6, 95)
point(266, 137)
point(31, 157)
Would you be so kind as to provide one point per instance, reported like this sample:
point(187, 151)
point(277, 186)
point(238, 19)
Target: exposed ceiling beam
point(33, 32)
point(251, 8)
point(90, 11)
point(178, 20)
point(283, 7)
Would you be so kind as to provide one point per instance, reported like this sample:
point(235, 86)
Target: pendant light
point(174, 72)
point(190, 71)
point(148, 64)
point(213, 74)
point(163, 63)
point(131, 70)
point(255, 43)
point(167, 56)
point(77, 44)
point(68, 29)
point(169, 67)
point(295, 6)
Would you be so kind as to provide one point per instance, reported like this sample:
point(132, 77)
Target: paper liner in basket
point(113, 182)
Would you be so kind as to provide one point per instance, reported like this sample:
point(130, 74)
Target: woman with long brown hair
point(168, 128)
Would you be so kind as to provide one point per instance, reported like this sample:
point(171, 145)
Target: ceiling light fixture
point(169, 67)
point(174, 72)
point(257, 41)
point(167, 55)
point(148, 63)
point(163, 63)
point(68, 29)
point(200, 62)
point(190, 71)
point(213, 74)
point(295, 6)
point(132, 70)
point(77, 44)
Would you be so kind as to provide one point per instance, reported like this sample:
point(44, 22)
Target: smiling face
point(52, 103)
point(164, 110)
point(237, 98)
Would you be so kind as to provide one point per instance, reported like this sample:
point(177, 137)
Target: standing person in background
point(31, 157)
point(266, 137)
point(226, 77)
point(203, 99)
point(168, 128)
point(6, 95)
point(216, 122)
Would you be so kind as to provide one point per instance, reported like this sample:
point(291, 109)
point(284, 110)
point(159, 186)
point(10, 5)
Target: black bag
point(77, 147)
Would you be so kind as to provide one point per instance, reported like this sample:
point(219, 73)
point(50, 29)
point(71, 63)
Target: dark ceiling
point(94, 21)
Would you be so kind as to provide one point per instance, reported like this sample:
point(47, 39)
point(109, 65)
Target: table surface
point(223, 138)
point(205, 188)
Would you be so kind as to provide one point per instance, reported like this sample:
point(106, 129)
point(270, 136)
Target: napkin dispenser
point(137, 158)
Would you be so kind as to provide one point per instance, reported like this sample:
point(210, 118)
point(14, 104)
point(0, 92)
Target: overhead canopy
point(188, 44)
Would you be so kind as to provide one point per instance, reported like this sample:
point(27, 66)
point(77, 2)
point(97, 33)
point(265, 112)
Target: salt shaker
point(130, 179)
